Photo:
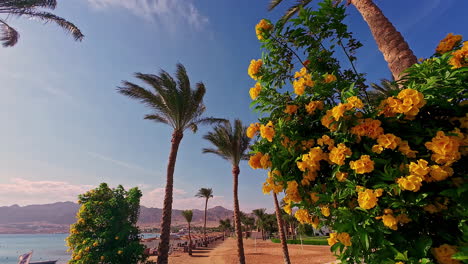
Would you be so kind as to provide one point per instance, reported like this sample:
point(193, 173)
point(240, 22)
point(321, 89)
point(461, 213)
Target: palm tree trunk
point(390, 42)
point(204, 225)
point(237, 222)
point(163, 250)
point(190, 240)
point(279, 220)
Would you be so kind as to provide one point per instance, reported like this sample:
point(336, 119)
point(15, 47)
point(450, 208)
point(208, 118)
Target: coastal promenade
point(225, 252)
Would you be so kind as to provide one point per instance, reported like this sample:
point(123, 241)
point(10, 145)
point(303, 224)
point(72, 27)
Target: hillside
point(56, 217)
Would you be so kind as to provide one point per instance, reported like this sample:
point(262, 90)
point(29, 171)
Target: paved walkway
point(256, 252)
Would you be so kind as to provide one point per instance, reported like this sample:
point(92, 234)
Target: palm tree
point(231, 144)
point(279, 220)
point(206, 193)
point(261, 220)
point(390, 42)
point(31, 9)
point(385, 89)
point(248, 223)
point(225, 225)
point(188, 215)
point(173, 103)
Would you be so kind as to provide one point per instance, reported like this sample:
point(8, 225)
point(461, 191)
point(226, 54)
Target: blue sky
point(65, 128)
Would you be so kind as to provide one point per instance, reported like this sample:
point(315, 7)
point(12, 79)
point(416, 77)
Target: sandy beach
point(224, 252)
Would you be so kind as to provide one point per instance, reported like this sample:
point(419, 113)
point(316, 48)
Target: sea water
point(45, 247)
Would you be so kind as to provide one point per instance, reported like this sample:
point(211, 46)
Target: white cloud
point(23, 192)
point(168, 13)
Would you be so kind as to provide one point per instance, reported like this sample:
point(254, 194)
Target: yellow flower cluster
point(410, 183)
point(311, 160)
point(326, 140)
point(418, 173)
point(267, 131)
point(291, 109)
point(304, 217)
point(444, 253)
point(368, 198)
point(328, 121)
point(407, 102)
point(460, 57)
point(325, 211)
point(419, 169)
point(404, 148)
point(314, 197)
point(262, 27)
point(386, 141)
point(368, 127)
point(355, 102)
point(338, 154)
point(253, 129)
point(329, 78)
point(439, 205)
point(260, 161)
point(313, 105)
point(292, 193)
point(271, 185)
point(344, 238)
point(448, 43)
point(445, 149)
point(341, 176)
point(307, 144)
point(390, 221)
point(363, 165)
point(255, 91)
point(254, 68)
point(287, 143)
point(303, 80)
point(439, 173)
point(308, 177)
point(337, 112)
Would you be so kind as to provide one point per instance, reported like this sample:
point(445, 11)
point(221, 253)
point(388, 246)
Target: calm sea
point(45, 246)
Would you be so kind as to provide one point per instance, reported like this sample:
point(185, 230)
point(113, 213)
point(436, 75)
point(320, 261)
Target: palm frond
point(188, 215)
point(27, 4)
point(47, 17)
point(8, 35)
point(157, 118)
point(215, 151)
point(204, 193)
point(273, 4)
point(230, 142)
point(173, 100)
point(211, 121)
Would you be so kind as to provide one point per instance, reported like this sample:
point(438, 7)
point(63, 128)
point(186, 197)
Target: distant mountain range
point(56, 217)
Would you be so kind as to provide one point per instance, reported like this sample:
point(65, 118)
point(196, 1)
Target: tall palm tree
point(279, 220)
point(206, 193)
point(188, 215)
point(176, 104)
point(390, 42)
point(231, 143)
point(261, 220)
point(31, 9)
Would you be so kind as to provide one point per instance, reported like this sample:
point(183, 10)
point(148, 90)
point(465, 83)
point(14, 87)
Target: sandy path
point(262, 253)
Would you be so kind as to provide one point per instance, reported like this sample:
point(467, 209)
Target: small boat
point(26, 259)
